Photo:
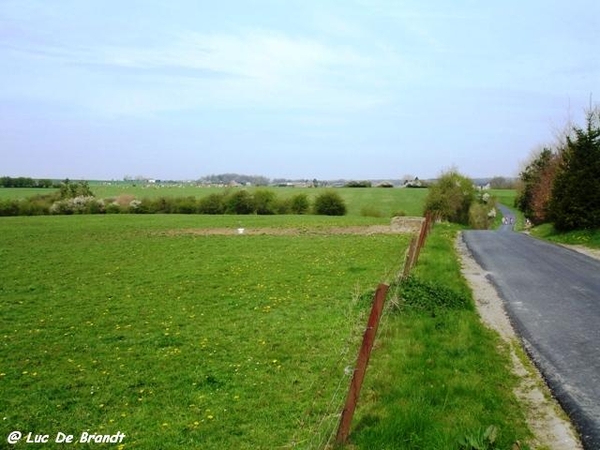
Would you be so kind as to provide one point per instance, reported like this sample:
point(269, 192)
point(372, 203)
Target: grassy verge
point(588, 238)
point(438, 379)
point(114, 323)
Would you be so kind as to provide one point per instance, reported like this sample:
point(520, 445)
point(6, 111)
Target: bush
point(330, 203)
point(265, 202)
point(77, 205)
point(299, 204)
point(69, 189)
point(9, 207)
point(163, 205)
point(112, 208)
point(359, 184)
point(283, 206)
point(143, 206)
point(479, 216)
point(450, 197)
point(212, 204)
point(240, 202)
point(185, 205)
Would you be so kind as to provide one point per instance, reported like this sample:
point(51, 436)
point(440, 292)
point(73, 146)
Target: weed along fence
point(411, 258)
point(416, 244)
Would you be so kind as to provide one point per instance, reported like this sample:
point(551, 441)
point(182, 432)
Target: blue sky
point(355, 89)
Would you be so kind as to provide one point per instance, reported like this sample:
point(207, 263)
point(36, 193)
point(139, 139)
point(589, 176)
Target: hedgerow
point(76, 198)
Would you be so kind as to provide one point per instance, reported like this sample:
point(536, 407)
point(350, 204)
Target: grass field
point(21, 193)
point(124, 323)
point(180, 340)
point(505, 196)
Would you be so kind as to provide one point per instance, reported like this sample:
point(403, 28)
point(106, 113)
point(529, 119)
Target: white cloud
point(253, 68)
point(255, 62)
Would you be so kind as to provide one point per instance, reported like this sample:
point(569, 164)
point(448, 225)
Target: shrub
point(112, 208)
point(330, 203)
point(139, 206)
point(69, 189)
point(479, 216)
point(283, 206)
point(299, 204)
point(359, 184)
point(9, 207)
point(185, 205)
point(212, 204)
point(450, 197)
point(163, 205)
point(265, 202)
point(240, 202)
point(77, 205)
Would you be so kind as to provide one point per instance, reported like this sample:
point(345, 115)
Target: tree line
point(561, 184)
point(26, 182)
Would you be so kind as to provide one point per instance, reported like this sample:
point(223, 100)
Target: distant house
point(413, 183)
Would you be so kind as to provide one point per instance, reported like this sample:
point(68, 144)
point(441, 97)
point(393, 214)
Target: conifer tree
point(575, 202)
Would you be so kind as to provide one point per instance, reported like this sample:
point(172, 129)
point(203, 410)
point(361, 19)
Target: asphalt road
point(552, 296)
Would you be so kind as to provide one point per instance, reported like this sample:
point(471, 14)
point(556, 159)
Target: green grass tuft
point(426, 296)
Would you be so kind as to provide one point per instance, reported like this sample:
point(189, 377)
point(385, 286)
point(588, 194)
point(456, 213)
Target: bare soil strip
point(360, 230)
point(547, 421)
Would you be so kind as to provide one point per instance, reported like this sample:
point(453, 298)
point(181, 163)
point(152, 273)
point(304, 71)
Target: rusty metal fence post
point(409, 259)
point(361, 364)
point(412, 256)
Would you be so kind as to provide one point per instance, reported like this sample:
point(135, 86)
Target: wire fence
point(334, 425)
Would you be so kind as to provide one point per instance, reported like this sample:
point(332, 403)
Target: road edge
point(546, 419)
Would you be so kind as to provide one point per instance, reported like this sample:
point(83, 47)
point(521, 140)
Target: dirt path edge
point(546, 419)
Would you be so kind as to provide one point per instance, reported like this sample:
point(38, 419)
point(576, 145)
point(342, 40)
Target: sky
point(354, 89)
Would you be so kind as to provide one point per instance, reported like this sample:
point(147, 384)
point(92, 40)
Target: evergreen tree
point(575, 202)
point(532, 177)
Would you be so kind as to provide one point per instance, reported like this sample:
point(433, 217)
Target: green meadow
point(182, 334)
point(131, 323)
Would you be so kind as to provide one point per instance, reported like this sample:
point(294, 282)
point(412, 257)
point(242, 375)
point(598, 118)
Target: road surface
point(552, 296)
